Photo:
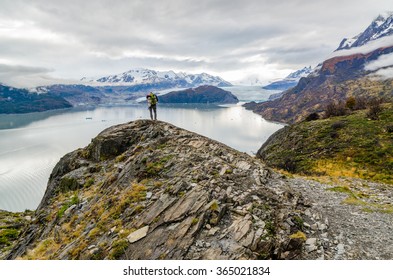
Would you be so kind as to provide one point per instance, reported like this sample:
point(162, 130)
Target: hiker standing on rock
point(152, 101)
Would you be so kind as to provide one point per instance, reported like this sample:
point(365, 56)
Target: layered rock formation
point(149, 190)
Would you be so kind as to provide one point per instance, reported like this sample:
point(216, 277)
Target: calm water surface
point(31, 144)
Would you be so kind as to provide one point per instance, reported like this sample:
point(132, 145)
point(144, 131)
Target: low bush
point(334, 109)
point(374, 108)
point(312, 117)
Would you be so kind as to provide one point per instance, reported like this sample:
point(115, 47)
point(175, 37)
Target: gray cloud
point(382, 74)
point(26, 76)
point(22, 70)
point(382, 62)
point(89, 38)
point(382, 67)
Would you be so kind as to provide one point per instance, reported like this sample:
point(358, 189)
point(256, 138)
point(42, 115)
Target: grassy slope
point(11, 225)
point(352, 146)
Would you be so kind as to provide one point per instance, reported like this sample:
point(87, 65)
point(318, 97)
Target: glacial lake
point(31, 144)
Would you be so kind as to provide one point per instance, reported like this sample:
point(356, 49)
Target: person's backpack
point(153, 99)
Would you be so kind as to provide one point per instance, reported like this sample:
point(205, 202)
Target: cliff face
point(149, 190)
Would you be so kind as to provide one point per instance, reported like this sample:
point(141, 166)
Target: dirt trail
point(355, 218)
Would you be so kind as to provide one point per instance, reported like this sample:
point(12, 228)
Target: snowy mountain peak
point(142, 76)
point(381, 18)
point(382, 26)
point(289, 81)
point(299, 73)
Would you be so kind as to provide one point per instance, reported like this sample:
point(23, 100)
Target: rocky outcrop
point(202, 94)
point(149, 190)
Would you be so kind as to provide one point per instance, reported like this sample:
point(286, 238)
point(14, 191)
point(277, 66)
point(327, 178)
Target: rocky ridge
point(381, 27)
point(149, 190)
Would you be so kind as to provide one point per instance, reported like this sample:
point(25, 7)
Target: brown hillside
point(338, 79)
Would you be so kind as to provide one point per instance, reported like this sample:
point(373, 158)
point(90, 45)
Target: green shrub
point(74, 200)
point(7, 235)
point(214, 206)
point(68, 184)
point(89, 182)
point(298, 235)
point(361, 103)
point(374, 109)
point(338, 125)
point(312, 117)
point(118, 249)
point(120, 158)
point(350, 103)
point(335, 109)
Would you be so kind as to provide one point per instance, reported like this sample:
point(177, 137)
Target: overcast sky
point(52, 41)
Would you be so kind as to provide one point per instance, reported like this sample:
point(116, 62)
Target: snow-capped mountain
point(299, 73)
point(361, 67)
point(141, 76)
point(289, 81)
point(382, 26)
